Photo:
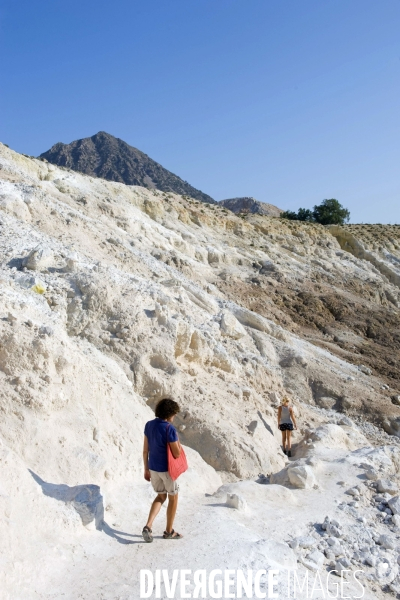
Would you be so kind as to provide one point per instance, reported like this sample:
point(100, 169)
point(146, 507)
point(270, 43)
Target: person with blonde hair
point(286, 423)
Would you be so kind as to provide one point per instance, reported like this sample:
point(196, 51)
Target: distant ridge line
point(247, 204)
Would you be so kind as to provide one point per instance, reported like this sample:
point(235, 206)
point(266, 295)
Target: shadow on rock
point(116, 535)
point(264, 422)
point(15, 262)
point(86, 499)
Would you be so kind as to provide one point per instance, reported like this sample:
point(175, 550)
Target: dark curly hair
point(166, 408)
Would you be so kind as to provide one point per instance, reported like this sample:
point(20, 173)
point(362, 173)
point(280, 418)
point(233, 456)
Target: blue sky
point(287, 101)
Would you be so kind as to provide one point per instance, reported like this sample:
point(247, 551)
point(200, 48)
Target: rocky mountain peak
point(103, 155)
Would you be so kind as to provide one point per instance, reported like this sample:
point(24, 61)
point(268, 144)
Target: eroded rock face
point(119, 289)
point(146, 297)
point(170, 332)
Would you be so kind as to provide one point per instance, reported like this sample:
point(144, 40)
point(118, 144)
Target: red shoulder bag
point(176, 466)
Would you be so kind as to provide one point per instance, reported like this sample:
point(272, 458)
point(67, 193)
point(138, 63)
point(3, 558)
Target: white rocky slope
point(108, 303)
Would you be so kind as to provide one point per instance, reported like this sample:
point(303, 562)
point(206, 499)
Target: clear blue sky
point(288, 101)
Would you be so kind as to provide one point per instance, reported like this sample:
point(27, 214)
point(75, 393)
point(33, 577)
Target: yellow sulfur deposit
point(39, 288)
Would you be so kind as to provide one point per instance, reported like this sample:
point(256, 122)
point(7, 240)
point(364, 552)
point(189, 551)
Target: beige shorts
point(163, 484)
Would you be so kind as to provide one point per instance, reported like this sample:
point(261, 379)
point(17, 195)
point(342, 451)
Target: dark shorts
point(286, 427)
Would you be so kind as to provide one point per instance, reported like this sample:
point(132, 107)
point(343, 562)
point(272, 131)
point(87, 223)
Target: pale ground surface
point(116, 307)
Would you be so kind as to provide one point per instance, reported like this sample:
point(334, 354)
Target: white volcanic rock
point(387, 541)
point(385, 572)
point(230, 326)
point(302, 476)
point(306, 541)
point(396, 520)
point(39, 258)
point(392, 425)
point(371, 473)
point(295, 475)
point(394, 505)
point(314, 561)
point(110, 299)
point(333, 437)
point(387, 486)
point(236, 501)
point(277, 554)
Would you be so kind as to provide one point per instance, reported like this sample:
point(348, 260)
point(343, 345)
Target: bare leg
point(289, 439)
point(171, 511)
point(155, 508)
point(283, 439)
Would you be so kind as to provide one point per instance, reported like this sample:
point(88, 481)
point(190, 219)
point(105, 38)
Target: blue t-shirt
point(156, 433)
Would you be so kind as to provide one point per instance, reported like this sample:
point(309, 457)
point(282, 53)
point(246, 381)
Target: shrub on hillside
point(329, 212)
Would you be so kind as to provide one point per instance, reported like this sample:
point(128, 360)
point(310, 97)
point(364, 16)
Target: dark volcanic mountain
point(108, 157)
point(248, 204)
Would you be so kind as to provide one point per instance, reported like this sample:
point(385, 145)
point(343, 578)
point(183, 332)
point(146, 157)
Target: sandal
point(146, 533)
point(173, 535)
